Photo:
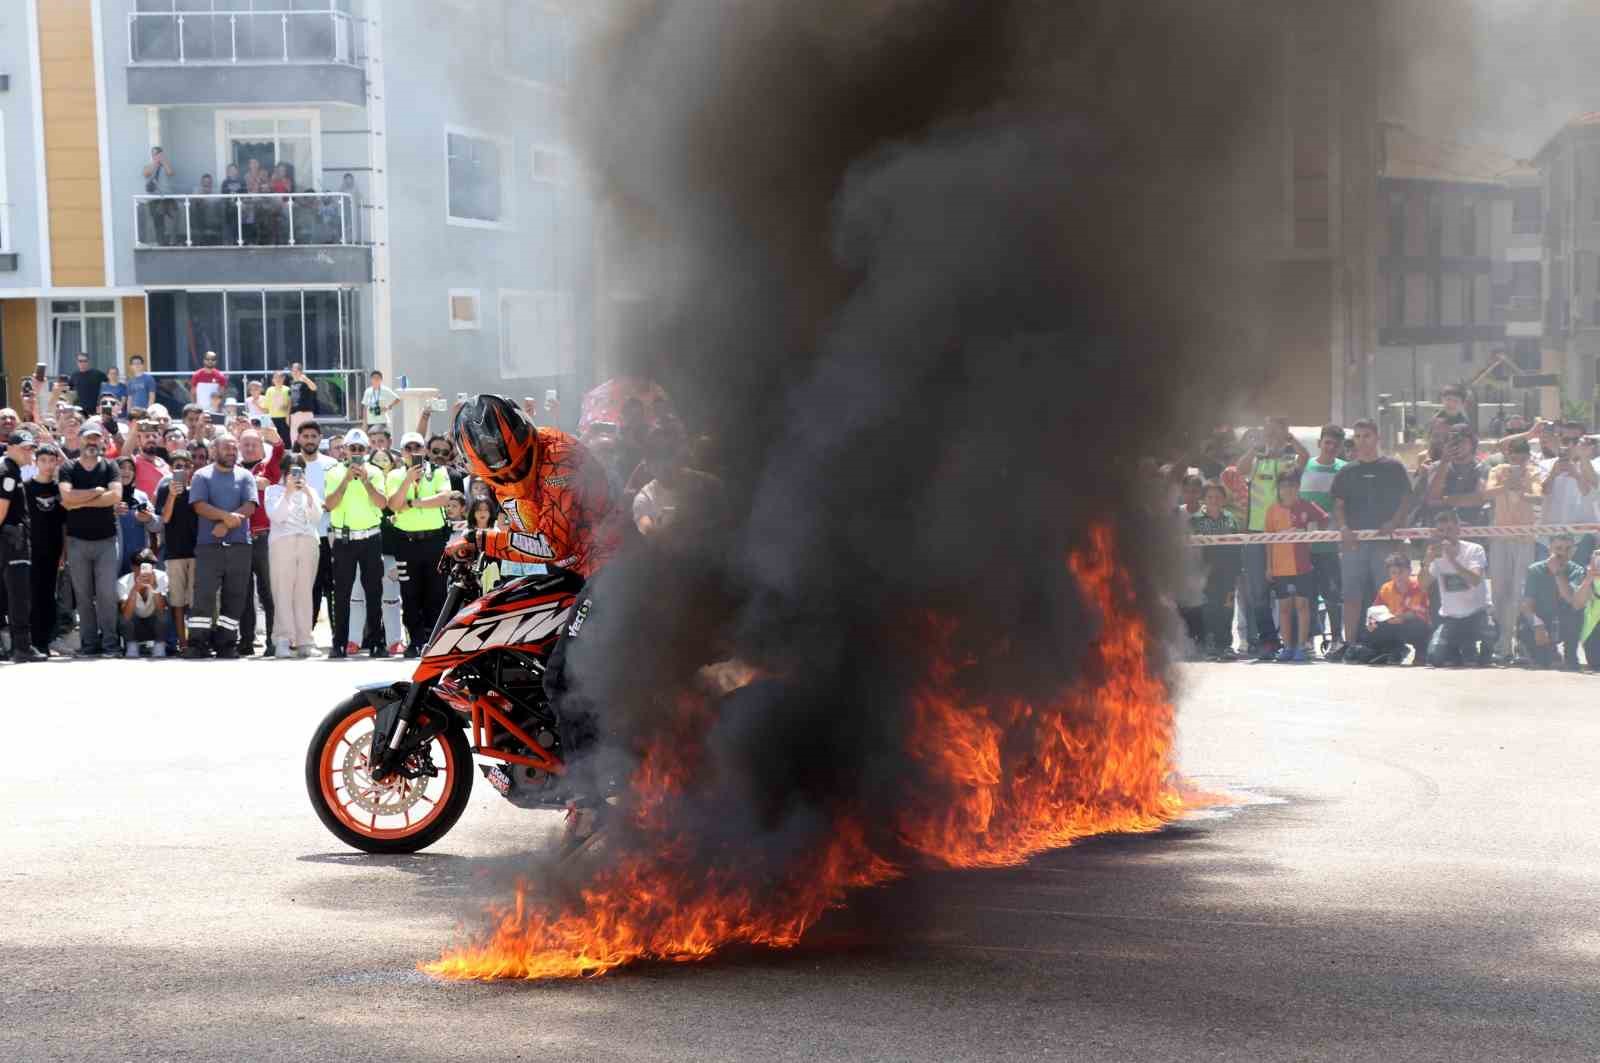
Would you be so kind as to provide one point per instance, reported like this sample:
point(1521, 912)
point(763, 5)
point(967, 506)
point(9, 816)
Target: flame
point(1002, 783)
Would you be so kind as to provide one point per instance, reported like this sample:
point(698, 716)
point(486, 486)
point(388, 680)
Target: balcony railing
point(240, 37)
point(294, 219)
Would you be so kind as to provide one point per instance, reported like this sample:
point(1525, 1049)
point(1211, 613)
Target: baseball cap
point(92, 428)
point(412, 437)
point(356, 438)
point(20, 439)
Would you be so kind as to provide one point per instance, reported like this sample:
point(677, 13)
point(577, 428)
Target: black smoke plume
point(936, 275)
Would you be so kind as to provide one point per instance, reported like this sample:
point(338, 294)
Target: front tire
point(398, 815)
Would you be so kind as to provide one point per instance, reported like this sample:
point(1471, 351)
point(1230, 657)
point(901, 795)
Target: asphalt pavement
point(1412, 872)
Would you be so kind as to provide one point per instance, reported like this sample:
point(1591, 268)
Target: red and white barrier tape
point(1509, 531)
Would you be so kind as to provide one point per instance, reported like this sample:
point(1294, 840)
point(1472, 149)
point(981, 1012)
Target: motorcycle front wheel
point(398, 814)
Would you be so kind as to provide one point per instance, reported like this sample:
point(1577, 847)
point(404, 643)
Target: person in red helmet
point(562, 513)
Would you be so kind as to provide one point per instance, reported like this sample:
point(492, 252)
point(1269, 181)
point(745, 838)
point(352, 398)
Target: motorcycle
point(389, 769)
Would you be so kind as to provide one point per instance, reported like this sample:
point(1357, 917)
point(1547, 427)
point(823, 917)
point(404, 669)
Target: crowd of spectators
point(232, 530)
point(1448, 600)
point(262, 205)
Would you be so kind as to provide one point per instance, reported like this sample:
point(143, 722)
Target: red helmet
point(497, 439)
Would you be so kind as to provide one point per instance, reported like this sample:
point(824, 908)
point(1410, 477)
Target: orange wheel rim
point(359, 803)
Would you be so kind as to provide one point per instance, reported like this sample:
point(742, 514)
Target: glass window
point(474, 177)
point(273, 140)
point(285, 335)
point(323, 326)
point(78, 327)
point(246, 342)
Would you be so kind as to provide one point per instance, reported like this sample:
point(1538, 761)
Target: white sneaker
point(280, 648)
point(132, 652)
point(158, 649)
point(307, 650)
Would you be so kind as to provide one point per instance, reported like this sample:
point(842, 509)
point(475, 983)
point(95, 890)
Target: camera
point(141, 506)
point(438, 405)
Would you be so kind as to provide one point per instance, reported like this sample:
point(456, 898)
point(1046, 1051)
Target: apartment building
point(1570, 165)
point(1459, 274)
point(422, 214)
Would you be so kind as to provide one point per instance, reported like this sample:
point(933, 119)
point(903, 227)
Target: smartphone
point(146, 569)
point(217, 418)
point(551, 397)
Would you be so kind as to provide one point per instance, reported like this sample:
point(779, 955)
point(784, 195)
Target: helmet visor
point(491, 451)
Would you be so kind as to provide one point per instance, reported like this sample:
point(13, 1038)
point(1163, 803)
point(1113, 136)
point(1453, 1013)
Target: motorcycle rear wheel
point(377, 817)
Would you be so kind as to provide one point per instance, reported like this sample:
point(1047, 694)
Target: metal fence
point(241, 37)
point(303, 219)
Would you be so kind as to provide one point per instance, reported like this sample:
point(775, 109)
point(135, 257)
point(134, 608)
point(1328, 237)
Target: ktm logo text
point(514, 630)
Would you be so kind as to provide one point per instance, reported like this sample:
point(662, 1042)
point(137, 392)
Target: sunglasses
point(439, 453)
point(417, 447)
point(355, 448)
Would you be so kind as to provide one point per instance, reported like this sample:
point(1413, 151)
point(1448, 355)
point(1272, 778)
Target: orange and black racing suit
point(565, 515)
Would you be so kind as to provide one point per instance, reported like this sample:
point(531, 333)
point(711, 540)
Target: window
point(478, 178)
point(1419, 302)
point(270, 137)
point(255, 332)
point(535, 334)
point(465, 314)
point(87, 326)
point(536, 44)
point(1452, 299)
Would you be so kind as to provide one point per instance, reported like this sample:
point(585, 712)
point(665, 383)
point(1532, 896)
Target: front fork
point(395, 723)
point(386, 759)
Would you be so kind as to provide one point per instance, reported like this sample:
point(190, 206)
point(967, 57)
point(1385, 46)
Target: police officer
point(418, 491)
point(16, 547)
point(355, 500)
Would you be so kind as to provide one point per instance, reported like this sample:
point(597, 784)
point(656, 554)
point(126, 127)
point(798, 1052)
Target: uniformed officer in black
point(16, 547)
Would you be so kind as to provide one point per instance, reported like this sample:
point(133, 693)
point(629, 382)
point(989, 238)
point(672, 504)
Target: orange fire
point(1004, 782)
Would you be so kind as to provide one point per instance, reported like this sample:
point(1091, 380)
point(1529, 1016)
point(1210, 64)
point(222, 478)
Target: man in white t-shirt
point(1460, 569)
point(142, 607)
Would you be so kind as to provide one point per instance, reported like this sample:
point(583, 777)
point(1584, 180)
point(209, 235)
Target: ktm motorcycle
point(389, 770)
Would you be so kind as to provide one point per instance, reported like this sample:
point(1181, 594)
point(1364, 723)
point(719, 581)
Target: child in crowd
point(1289, 565)
point(1406, 604)
point(1222, 572)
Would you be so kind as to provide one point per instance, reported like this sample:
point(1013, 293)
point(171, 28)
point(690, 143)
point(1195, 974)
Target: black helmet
point(497, 439)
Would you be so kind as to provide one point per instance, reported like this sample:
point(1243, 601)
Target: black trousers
point(260, 583)
point(422, 587)
point(1390, 638)
point(46, 609)
point(573, 712)
point(225, 569)
point(16, 559)
point(349, 557)
point(323, 582)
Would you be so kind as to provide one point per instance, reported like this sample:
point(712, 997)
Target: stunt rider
point(562, 513)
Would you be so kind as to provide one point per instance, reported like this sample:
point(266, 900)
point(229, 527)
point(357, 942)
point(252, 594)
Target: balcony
point(292, 238)
point(218, 57)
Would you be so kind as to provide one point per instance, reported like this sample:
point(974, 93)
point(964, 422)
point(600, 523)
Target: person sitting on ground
point(143, 612)
point(1289, 565)
point(1398, 618)
point(1460, 568)
point(1222, 564)
point(1551, 613)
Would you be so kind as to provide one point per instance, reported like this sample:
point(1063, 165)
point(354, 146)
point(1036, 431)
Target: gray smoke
point(935, 274)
